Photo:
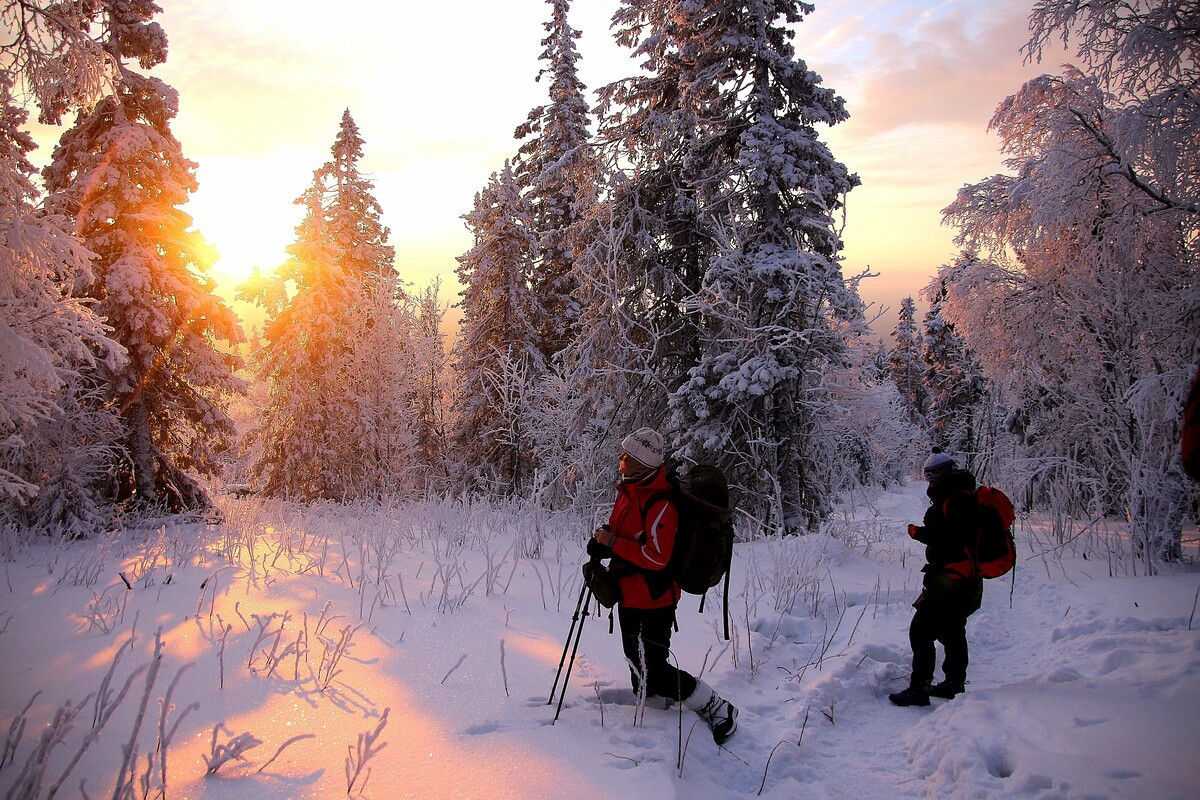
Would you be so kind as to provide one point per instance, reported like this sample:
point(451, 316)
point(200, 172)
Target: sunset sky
point(437, 89)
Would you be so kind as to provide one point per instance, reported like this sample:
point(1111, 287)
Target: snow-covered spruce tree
point(557, 170)
point(497, 358)
point(304, 361)
point(954, 381)
point(121, 174)
point(649, 239)
point(47, 336)
point(724, 150)
point(338, 354)
point(905, 364)
point(1092, 329)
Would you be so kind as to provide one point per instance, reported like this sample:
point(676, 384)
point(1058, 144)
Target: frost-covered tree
point(339, 354)
point(121, 175)
point(387, 372)
point(1144, 56)
point(650, 239)
point(74, 450)
point(573, 467)
point(47, 334)
point(871, 440)
point(498, 356)
point(57, 54)
point(905, 365)
point(558, 170)
point(739, 199)
point(1085, 308)
point(953, 380)
point(432, 390)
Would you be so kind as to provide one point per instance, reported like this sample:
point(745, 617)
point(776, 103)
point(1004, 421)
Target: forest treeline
point(663, 252)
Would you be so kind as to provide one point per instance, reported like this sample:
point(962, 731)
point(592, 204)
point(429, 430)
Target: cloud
point(949, 68)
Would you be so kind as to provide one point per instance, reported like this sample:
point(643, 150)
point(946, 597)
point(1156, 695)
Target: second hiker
point(952, 589)
point(639, 537)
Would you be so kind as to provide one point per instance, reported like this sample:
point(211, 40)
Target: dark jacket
point(951, 521)
point(645, 523)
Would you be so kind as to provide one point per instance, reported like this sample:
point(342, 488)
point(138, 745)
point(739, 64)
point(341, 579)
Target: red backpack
point(995, 551)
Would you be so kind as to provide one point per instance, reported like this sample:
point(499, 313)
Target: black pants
point(646, 639)
point(940, 621)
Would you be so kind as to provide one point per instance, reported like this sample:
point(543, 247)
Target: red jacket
point(642, 549)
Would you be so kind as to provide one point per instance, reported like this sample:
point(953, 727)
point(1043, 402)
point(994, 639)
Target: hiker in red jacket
point(638, 538)
point(952, 589)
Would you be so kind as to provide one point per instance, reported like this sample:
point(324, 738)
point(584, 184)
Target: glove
point(912, 530)
point(597, 550)
point(604, 536)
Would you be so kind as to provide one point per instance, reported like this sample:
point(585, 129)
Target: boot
point(720, 714)
point(912, 696)
point(947, 689)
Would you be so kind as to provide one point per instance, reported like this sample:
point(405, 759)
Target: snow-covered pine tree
point(650, 238)
point(1093, 327)
point(121, 174)
point(339, 354)
point(47, 334)
point(905, 364)
point(498, 346)
point(558, 172)
point(954, 381)
point(748, 196)
point(382, 381)
point(305, 361)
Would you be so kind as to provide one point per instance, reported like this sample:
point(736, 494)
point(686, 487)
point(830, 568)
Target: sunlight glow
point(247, 225)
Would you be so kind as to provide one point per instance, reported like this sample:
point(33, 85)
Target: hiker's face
point(631, 468)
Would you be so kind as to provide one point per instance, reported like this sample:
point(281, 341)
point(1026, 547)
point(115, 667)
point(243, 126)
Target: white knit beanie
point(937, 465)
point(645, 445)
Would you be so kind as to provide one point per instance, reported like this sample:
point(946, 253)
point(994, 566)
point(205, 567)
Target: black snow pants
point(646, 640)
point(941, 617)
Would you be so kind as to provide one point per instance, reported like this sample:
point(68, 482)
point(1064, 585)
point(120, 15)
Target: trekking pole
point(570, 664)
point(583, 592)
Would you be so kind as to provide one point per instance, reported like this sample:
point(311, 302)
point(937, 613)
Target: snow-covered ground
point(437, 631)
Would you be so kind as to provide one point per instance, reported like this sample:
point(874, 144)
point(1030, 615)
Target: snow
point(1081, 685)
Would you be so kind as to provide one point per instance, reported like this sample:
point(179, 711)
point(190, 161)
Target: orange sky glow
point(437, 90)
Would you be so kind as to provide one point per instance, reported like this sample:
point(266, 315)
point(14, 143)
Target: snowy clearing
point(439, 629)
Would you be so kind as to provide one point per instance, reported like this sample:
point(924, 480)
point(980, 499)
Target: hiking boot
point(720, 714)
point(912, 696)
point(946, 689)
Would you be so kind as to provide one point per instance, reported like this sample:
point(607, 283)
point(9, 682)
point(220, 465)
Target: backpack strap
point(725, 598)
point(654, 498)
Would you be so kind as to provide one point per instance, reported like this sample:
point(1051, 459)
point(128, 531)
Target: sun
point(244, 210)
